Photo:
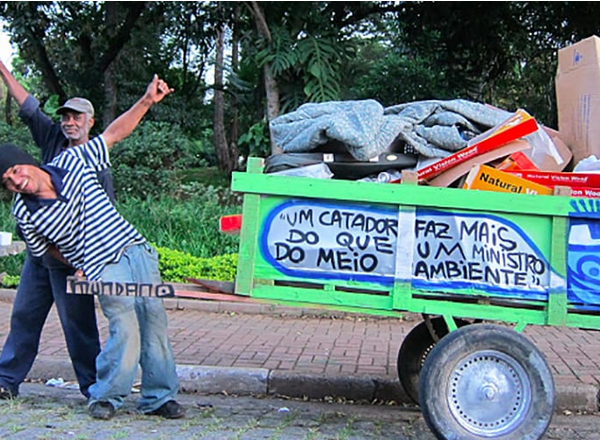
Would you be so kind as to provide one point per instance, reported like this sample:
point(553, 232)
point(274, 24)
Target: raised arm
point(124, 125)
point(15, 89)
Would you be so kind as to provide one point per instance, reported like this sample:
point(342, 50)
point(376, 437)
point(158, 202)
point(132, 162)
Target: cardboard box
point(556, 160)
point(590, 193)
point(486, 178)
point(578, 97)
point(447, 177)
point(520, 124)
point(552, 179)
point(516, 162)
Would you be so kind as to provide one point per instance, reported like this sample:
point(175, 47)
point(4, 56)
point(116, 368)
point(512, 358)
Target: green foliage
point(306, 63)
point(144, 164)
point(11, 281)
point(175, 266)
point(206, 175)
point(12, 265)
point(392, 76)
point(51, 105)
point(255, 142)
point(501, 53)
point(7, 221)
point(321, 58)
point(17, 133)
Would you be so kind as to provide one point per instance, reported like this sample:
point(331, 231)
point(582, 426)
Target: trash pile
point(455, 143)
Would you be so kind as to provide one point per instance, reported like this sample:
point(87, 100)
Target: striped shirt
point(81, 222)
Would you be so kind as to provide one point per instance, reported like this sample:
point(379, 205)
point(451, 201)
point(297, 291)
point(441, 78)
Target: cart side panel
point(355, 254)
point(385, 248)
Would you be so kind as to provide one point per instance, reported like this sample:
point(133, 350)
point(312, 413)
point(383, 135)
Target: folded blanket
point(430, 128)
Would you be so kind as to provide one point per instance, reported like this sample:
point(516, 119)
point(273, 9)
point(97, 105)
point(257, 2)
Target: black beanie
point(11, 155)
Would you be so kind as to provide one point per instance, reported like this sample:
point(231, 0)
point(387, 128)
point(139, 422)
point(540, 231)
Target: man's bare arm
point(55, 253)
point(15, 88)
point(124, 125)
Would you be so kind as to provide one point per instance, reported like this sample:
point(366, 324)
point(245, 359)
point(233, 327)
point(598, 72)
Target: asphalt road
point(48, 413)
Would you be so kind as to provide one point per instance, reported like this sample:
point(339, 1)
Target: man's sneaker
point(6, 394)
point(102, 410)
point(169, 410)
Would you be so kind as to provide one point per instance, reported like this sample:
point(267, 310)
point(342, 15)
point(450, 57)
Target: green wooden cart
point(479, 266)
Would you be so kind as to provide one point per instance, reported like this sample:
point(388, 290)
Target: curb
point(262, 382)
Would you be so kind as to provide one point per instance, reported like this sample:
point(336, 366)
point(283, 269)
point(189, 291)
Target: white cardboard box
point(578, 97)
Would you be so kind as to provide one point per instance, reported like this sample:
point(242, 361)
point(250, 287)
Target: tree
point(31, 24)
point(235, 126)
point(221, 146)
point(284, 54)
point(502, 53)
point(302, 48)
point(271, 86)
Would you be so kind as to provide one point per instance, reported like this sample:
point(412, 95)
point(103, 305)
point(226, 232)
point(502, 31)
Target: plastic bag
point(590, 164)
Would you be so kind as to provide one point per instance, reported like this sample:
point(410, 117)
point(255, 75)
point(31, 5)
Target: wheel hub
point(489, 393)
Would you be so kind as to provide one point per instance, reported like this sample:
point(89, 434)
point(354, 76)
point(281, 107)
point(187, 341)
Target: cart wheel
point(414, 349)
point(486, 382)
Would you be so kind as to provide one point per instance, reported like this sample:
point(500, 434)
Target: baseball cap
point(80, 105)
point(11, 155)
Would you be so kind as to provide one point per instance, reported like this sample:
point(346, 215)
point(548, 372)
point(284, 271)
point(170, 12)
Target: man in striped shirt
point(43, 280)
point(62, 210)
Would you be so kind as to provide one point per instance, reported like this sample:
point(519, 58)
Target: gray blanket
point(430, 128)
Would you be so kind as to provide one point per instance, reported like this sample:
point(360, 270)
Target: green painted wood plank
point(587, 321)
point(319, 299)
point(557, 298)
point(479, 311)
point(248, 244)
point(399, 194)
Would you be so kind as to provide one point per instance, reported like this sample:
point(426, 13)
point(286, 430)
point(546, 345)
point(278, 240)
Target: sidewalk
point(246, 348)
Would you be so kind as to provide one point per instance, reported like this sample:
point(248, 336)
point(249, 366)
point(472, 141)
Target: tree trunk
point(110, 97)
point(272, 91)
point(271, 86)
point(234, 132)
point(221, 147)
point(110, 86)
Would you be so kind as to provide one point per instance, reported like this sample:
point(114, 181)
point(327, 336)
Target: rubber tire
point(414, 350)
point(449, 356)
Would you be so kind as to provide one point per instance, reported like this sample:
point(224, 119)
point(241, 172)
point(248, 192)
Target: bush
point(144, 164)
point(176, 266)
point(11, 281)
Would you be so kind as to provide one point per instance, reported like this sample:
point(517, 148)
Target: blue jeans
point(43, 283)
point(138, 336)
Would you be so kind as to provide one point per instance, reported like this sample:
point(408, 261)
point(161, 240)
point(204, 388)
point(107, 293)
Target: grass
point(189, 224)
